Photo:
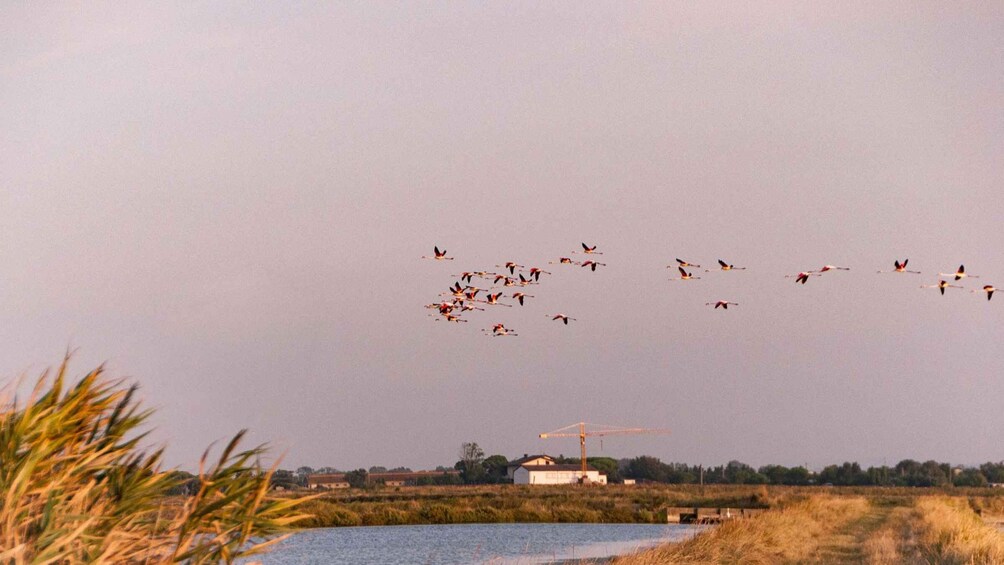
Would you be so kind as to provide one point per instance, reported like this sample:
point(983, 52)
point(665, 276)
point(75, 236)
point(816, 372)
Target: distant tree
point(843, 475)
point(776, 474)
point(494, 468)
point(185, 483)
point(377, 469)
point(608, 466)
point(471, 463)
point(400, 470)
point(932, 474)
point(880, 476)
point(994, 472)
point(304, 471)
point(739, 473)
point(357, 478)
point(971, 478)
point(798, 476)
point(906, 472)
point(646, 468)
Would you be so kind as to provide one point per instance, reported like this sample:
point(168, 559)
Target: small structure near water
point(698, 515)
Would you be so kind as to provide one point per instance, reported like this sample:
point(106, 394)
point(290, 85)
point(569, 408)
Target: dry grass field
point(827, 528)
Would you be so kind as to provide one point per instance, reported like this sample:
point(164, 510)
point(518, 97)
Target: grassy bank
point(511, 503)
point(825, 528)
point(610, 504)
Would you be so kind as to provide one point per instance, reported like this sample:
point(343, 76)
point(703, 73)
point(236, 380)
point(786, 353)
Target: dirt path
point(847, 544)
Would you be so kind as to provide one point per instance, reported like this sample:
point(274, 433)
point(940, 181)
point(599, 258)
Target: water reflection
point(497, 544)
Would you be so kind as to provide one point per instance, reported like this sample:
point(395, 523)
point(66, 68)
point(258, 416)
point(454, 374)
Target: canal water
point(462, 544)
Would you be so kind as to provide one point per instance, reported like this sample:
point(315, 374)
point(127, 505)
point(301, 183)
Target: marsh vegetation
point(78, 487)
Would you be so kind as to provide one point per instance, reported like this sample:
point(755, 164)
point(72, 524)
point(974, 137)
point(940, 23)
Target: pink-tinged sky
point(228, 203)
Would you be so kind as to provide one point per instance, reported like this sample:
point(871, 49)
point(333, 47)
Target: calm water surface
point(499, 544)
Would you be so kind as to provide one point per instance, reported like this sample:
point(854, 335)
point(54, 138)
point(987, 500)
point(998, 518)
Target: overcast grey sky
point(228, 202)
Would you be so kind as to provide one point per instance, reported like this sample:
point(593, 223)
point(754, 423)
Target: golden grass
point(949, 532)
point(792, 533)
point(76, 488)
point(827, 529)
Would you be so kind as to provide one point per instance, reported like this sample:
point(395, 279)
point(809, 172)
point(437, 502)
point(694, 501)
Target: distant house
point(527, 460)
point(555, 474)
point(327, 481)
point(337, 480)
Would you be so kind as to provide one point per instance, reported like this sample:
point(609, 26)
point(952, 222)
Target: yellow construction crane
point(597, 430)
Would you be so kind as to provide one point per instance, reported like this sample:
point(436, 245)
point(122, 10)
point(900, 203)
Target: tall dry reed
point(949, 532)
point(77, 488)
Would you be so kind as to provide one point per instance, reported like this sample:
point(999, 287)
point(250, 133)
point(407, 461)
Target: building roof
point(525, 458)
point(558, 467)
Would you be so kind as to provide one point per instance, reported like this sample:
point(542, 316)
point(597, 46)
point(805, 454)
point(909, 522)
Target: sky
point(228, 204)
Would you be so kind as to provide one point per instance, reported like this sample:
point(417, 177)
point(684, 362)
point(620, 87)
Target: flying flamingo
point(520, 296)
point(451, 318)
point(443, 307)
point(593, 264)
point(465, 276)
point(563, 261)
point(684, 264)
point(803, 277)
point(989, 289)
point(831, 268)
point(960, 274)
point(499, 330)
point(590, 250)
point(684, 276)
point(726, 267)
point(561, 317)
point(722, 303)
point(455, 290)
point(493, 299)
point(523, 281)
point(439, 255)
point(511, 266)
point(506, 281)
point(942, 285)
point(535, 273)
point(900, 267)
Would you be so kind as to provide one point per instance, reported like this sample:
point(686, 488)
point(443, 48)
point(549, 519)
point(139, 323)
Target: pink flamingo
point(989, 289)
point(942, 285)
point(684, 276)
point(439, 255)
point(900, 267)
point(960, 274)
point(803, 277)
point(726, 267)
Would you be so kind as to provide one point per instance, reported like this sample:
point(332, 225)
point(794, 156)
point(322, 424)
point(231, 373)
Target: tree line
point(476, 468)
point(908, 473)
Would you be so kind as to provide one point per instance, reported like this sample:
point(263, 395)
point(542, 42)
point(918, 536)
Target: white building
point(554, 474)
point(527, 460)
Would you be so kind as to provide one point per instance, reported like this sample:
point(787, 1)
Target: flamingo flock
point(461, 298)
